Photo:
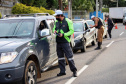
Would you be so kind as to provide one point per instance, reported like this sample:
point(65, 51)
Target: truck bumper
point(11, 75)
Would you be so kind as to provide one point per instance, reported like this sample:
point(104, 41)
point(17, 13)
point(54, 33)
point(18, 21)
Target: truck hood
point(78, 33)
point(12, 43)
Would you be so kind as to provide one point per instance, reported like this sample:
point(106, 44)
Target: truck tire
point(30, 73)
point(94, 41)
point(106, 35)
point(83, 46)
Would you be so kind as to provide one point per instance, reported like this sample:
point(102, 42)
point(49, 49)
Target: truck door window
point(42, 25)
point(50, 23)
point(86, 27)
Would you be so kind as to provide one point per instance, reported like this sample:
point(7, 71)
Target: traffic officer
point(63, 29)
point(100, 27)
point(110, 25)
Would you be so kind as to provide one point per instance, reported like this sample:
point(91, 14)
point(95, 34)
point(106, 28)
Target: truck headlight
point(7, 57)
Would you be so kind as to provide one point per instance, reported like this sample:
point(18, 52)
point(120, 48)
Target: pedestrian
point(63, 29)
point(110, 25)
point(100, 27)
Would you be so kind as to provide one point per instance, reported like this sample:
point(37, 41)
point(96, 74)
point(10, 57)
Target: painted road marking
point(110, 44)
point(121, 33)
point(78, 73)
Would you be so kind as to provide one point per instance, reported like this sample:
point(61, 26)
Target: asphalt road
point(105, 66)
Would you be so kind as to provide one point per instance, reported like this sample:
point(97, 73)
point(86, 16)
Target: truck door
point(87, 35)
point(53, 55)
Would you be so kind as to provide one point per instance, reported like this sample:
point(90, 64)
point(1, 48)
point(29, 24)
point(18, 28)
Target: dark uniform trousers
point(109, 31)
point(64, 48)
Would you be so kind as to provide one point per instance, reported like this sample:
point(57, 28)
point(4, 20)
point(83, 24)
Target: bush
point(23, 9)
point(105, 9)
point(0, 16)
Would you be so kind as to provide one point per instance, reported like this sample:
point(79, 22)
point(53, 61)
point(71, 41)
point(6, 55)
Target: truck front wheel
point(30, 73)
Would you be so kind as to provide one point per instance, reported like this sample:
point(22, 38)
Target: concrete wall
point(5, 10)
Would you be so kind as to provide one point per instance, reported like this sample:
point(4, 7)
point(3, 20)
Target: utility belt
point(99, 27)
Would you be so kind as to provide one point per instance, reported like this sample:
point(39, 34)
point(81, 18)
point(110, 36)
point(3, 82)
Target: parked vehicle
point(72, 43)
point(27, 47)
point(83, 35)
point(90, 23)
point(117, 13)
point(124, 19)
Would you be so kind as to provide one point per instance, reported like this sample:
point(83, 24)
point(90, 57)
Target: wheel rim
point(94, 40)
point(31, 75)
point(84, 46)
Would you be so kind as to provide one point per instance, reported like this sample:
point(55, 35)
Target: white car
point(91, 23)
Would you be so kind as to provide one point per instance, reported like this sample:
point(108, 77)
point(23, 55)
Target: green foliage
point(0, 16)
point(27, 2)
point(83, 5)
point(105, 9)
point(23, 9)
point(52, 4)
point(109, 3)
point(40, 3)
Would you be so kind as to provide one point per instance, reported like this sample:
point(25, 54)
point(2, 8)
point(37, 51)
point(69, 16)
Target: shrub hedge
point(23, 9)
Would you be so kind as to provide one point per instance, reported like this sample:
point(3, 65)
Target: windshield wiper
point(10, 37)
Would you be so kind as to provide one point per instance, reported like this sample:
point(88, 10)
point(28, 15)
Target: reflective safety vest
point(66, 28)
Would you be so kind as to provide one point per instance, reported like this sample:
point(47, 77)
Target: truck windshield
point(78, 27)
point(16, 28)
point(90, 23)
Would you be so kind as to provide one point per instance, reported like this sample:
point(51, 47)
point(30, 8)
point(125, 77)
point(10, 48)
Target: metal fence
point(78, 14)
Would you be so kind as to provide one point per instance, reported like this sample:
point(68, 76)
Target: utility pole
point(100, 5)
point(70, 9)
point(60, 4)
point(117, 3)
point(96, 8)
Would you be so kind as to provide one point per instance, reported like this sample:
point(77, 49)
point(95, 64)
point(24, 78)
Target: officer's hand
point(55, 32)
point(60, 35)
point(91, 27)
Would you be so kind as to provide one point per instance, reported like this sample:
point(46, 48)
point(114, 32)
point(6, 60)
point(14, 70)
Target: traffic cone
point(125, 26)
point(116, 26)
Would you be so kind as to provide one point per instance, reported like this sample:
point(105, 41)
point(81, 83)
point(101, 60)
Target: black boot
point(74, 73)
point(99, 46)
point(61, 74)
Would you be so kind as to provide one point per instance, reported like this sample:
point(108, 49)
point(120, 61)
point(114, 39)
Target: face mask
point(58, 19)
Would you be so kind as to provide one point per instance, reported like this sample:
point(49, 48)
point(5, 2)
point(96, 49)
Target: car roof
point(29, 16)
point(78, 20)
point(89, 20)
point(40, 17)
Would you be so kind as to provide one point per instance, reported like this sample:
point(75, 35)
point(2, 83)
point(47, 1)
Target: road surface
point(105, 66)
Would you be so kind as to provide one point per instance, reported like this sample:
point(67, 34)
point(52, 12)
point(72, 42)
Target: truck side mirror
point(44, 32)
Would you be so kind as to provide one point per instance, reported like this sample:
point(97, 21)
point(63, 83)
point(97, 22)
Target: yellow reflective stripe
point(67, 38)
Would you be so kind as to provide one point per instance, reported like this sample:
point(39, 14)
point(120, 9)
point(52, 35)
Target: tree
point(52, 4)
point(122, 3)
point(110, 3)
point(27, 2)
point(40, 3)
point(83, 5)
